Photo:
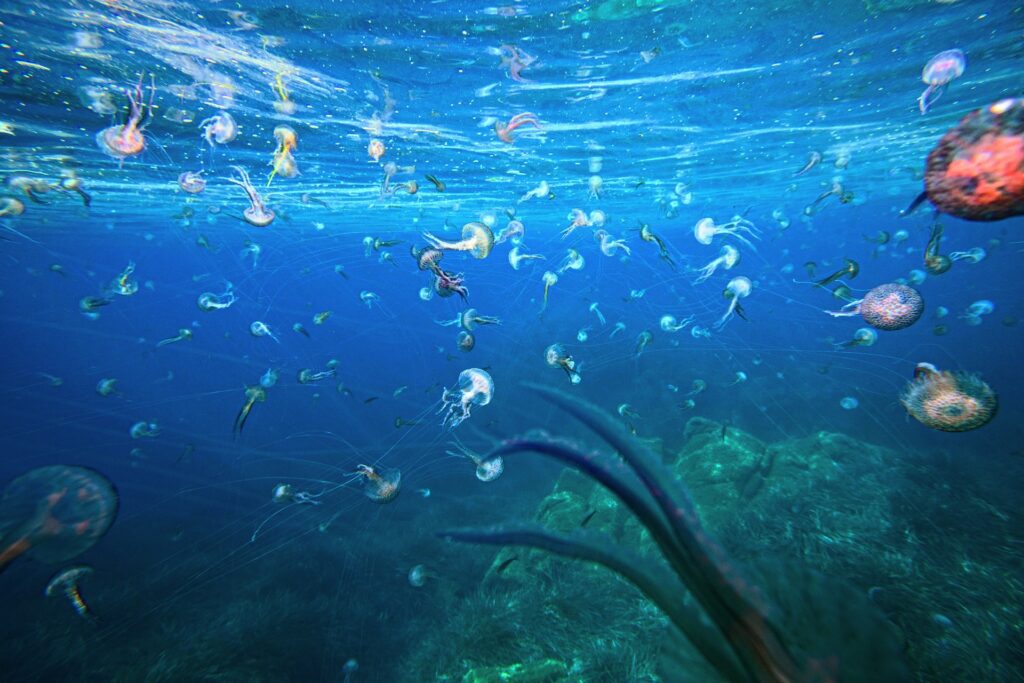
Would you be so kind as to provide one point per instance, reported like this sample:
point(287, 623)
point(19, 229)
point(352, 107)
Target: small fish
point(504, 565)
point(371, 399)
point(439, 184)
point(812, 161)
point(586, 519)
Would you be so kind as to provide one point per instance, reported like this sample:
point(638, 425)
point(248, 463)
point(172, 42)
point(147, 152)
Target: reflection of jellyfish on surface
point(258, 328)
point(865, 336)
point(477, 239)
point(184, 334)
point(886, 307)
point(729, 257)
point(192, 182)
point(937, 73)
point(283, 162)
point(55, 513)
point(66, 583)
point(208, 301)
point(487, 469)
point(976, 171)
point(253, 395)
point(705, 230)
point(948, 401)
point(573, 261)
point(504, 132)
point(738, 288)
point(475, 388)
point(258, 213)
point(609, 245)
point(381, 484)
point(219, 128)
point(515, 258)
point(127, 139)
point(556, 357)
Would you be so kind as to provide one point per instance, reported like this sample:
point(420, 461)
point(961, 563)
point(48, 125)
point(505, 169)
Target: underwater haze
point(536, 341)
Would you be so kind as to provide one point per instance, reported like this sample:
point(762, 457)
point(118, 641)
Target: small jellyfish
point(940, 70)
point(625, 410)
point(513, 232)
point(251, 250)
point(219, 128)
point(836, 190)
point(595, 185)
point(283, 162)
point(643, 340)
point(849, 403)
point(375, 150)
point(418, 576)
point(369, 298)
point(308, 376)
point(549, 281)
point(864, 336)
point(380, 484)
point(258, 328)
point(596, 218)
point(779, 216)
point(426, 293)
point(72, 183)
point(144, 430)
point(668, 323)
point(253, 395)
point(11, 206)
point(351, 666)
point(208, 301)
point(477, 239)
point(123, 284)
point(934, 262)
point(698, 332)
point(184, 334)
point(577, 219)
point(740, 378)
point(948, 401)
point(696, 387)
point(688, 404)
point(475, 388)
point(55, 513)
point(916, 276)
point(504, 132)
point(465, 341)
point(515, 258)
point(127, 139)
point(258, 213)
point(447, 283)
point(899, 237)
point(321, 317)
point(597, 311)
point(729, 257)
point(813, 159)
point(618, 327)
point(487, 469)
point(705, 230)
point(301, 329)
point(738, 288)
point(192, 182)
point(573, 261)
point(285, 494)
point(886, 307)
point(471, 318)
point(971, 255)
point(850, 269)
point(556, 357)
point(583, 334)
point(269, 378)
point(106, 386)
point(89, 304)
point(647, 235)
point(608, 245)
point(66, 583)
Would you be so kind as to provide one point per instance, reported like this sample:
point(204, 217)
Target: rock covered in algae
point(544, 671)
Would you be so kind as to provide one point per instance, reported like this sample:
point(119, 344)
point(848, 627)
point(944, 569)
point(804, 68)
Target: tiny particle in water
point(849, 403)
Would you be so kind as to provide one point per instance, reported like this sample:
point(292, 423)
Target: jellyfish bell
point(489, 469)
point(66, 583)
point(418, 576)
point(465, 341)
point(380, 484)
point(892, 307)
point(940, 70)
point(192, 182)
point(55, 513)
point(948, 401)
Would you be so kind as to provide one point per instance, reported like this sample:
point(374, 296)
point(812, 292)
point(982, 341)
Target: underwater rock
point(545, 671)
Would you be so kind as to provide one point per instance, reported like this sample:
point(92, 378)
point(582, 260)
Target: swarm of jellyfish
point(886, 307)
point(475, 388)
point(948, 401)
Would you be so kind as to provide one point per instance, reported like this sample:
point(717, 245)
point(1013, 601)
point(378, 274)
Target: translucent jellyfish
point(283, 104)
point(556, 357)
point(934, 262)
point(465, 341)
point(123, 284)
point(350, 668)
point(471, 318)
point(252, 250)
point(427, 258)
point(106, 386)
point(609, 245)
point(516, 61)
point(192, 182)
point(258, 213)
point(283, 162)
point(740, 378)
point(301, 329)
point(487, 469)
point(696, 387)
point(447, 283)
point(253, 395)
point(596, 218)
point(309, 376)
point(971, 255)
point(597, 311)
point(542, 190)
point(836, 190)
point(258, 328)
point(127, 139)
point(573, 261)
point(577, 219)
point(899, 237)
point(705, 230)
point(886, 307)
point(865, 336)
point(66, 583)
point(72, 183)
point(426, 293)
point(937, 73)
point(418, 576)
point(209, 301)
point(184, 334)
point(595, 184)
point(642, 341)
point(619, 327)
point(475, 388)
point(375, 150)
point(321, 317)
point(515, 258)
point(850, 269)
point(504, 131)
point(269, 378)
point(477, 239)
point(11, 206)
point(916, 276)
point(948, 401)
point(144, 430)
point(627, 411)
point(369, 298)
point(668, 323)
point(513, 232)
point(813, 159)
point(849, 403)
point(287, 496)
point(54, 513)
point(977, 310)
point(219, 128)
point(738, 288)
point(549, 281)
point(699, 332)
point(729, 257)
point(380, 484)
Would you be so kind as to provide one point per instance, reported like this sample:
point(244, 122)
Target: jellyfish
point(11, 206)
point(477, 239)
point(447, 283)
point(184, 334)
point(642, 341)
point(597, 311)
point(899, 237)
point(470, 319)
point(975, 170)
point(208, 301)
point(381, 485)
point(837, 190)
point(698, 332)
point(487, 469)
point(258, 213)
point(948, 401)
point(595, 185)
point(705, 230)
point(577, 219)
point(192, 182)
point(619, 327)
point(609, 245)
point(596, 218)
point(739, 378)
point(516, 60)
point(542, 190)
point(253, 395)
point(940, 70)
point(504, 132)
point(886, 307)
point(375, 150)
point(556, 357)
point(849, 403)
point(973, 255)
point(321, 317)
point(106, 386)
point(583, 334)
point(418, 576)
point(66, 584)
point(350, 667)
point(513, 232)
point(934, 262)
point(625, 410)
point(251, 249)
point(573, 261)
point(851, 269)
point(515, 258)
point(668, 323)
point(738, 288)
point(688, 404)
point(269, 378)
point(219, 128)
point(549, 280)
point(369, 298)
point(283, 162)
point(865, 336)
point(285, 494)
point(975, 311)
point(258, 328)
point(780, 217)
point(89, 304)
point(465, 341)
point(308, 376)
point(813, 159)
point(475, 388)
point(72, 183)
point(729, 257)
point(283, 104)
point(54, 513)
point(127, 139)
point(123, 284)
point(647, 235)
point(696, 387)
point(144, 430)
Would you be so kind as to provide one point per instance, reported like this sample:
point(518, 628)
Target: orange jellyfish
point(477, 239)
point(283, 161)
point(948, 401)
point(380, 484)
point(127, 140)
point(375, 149)
point(504, 132)
point(54, 513)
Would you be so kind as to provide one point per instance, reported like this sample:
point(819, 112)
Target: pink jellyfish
point(127, 139)
point(886, 307)
point(505, 132)
point(938, 72)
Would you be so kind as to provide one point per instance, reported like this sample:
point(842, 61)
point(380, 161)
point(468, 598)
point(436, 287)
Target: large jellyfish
point(738, 288)
point(976, 171)
point(55, 513)
point(948, 401)
point(705, 230)
point(940, 70)
point(729, 257)
point(886, 307)
point(477, 239)
point(475, 389)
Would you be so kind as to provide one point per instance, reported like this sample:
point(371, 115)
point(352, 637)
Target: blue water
point(683, 110)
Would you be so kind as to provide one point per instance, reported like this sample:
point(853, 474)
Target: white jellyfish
point(609, 245)
point(729, 257)
point(515, 258)
point(738, 288)
point(475, 388)
point(705, 230)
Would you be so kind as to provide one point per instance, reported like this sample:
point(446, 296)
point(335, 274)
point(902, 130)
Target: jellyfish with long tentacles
point(504, 132)
point(557, 357)
point(647, 235)
point(706, 230)
point(380, 484)
point(515, 258)
point(219, 129)
point(864, 336)
point(55, 513)
point(475, 388)
point(728, 257)
point(128, 139)
point(487, 469)
point(886, 307)
point(253, 394)
point(850, 269)
point(940, 70)
point(738, 288)
point(730, 620)
point(477, 239)
point(287, 496)
point(258, 213)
